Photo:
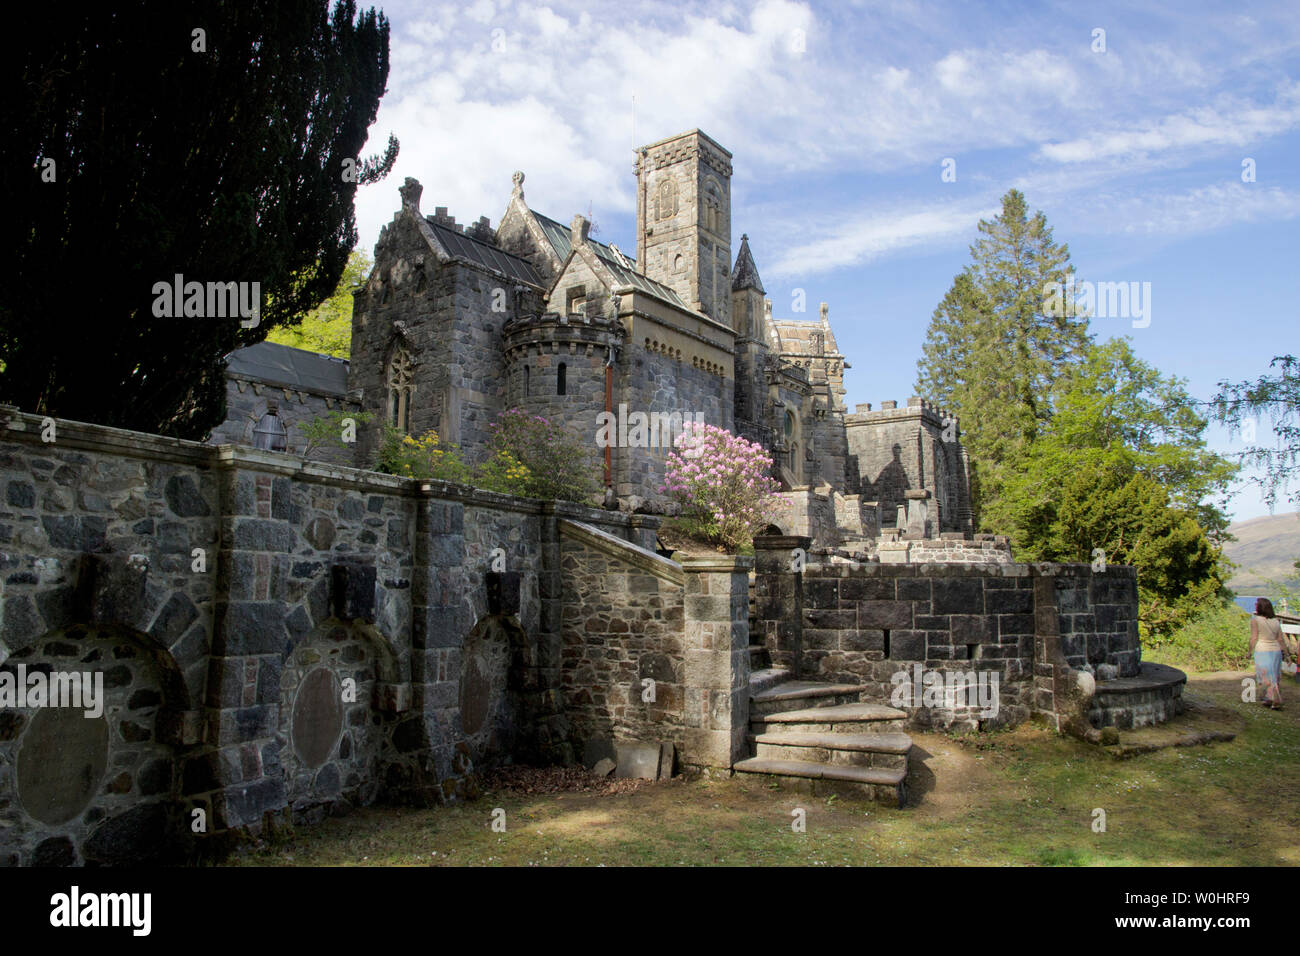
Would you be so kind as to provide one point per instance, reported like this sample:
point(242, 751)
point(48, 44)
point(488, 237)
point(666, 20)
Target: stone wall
point(275, 637)
point(247, 402)
point(867, 623)
point(623, 623)
point(895, 450)
point(653, 650)
point(951, 547)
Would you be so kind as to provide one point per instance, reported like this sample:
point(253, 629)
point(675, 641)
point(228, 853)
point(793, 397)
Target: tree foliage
point(993, 353)
point(1077, 448)
point(328, 328)
point(1275, 398)
point(211, 141)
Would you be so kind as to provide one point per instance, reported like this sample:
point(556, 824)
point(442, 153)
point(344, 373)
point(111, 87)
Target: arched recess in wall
point(666, 199)
point(100, 780)
point(711, 211)
point(335, 724)
point(494, 685)
point(265, 427)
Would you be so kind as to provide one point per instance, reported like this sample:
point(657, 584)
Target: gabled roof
point(745, 274)
point(288, 367)
point(461, 246)
point(558, 236)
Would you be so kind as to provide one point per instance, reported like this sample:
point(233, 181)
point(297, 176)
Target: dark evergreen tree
point(218, 141)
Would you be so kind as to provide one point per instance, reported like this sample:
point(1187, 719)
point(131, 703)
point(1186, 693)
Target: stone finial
point(578, 230)
point(518, 180)
point(825, 311)
point(410, 192)
point(767, 308)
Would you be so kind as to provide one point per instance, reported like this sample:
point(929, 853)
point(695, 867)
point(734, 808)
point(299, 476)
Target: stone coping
point(25, 428)
point(626, 551)
point(1150, 677)
point(721, 562)
point(781, 542)
point(936, 568)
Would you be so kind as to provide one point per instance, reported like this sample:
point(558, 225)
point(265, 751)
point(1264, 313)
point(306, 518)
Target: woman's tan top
point(1270, 633)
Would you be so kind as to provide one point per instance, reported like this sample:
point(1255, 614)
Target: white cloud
point(870, 234)
point(868, 93)
point(1232, 121)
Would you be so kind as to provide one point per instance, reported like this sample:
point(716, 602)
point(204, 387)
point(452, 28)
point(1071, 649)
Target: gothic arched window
point(401, 385)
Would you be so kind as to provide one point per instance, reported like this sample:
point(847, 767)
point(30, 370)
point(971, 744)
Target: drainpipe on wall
point(609, 410)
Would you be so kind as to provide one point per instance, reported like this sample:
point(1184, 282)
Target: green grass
point(1023, 797)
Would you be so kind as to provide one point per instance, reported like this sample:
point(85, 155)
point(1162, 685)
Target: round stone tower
point(555, 368)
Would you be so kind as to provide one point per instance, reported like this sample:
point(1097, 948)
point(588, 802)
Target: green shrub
point(557, 466)
point(424, 457)
point(329, 430)
point(1216, 640)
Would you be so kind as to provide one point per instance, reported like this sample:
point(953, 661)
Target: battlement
point(556, 333)
point(481, 230)
point(916, 407)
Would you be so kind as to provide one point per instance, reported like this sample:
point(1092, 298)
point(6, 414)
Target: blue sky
point(840, 117)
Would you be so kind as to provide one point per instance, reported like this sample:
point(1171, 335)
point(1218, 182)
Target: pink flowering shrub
point(722, 482)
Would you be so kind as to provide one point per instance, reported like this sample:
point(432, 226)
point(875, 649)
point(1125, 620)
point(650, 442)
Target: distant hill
point(1265, 548)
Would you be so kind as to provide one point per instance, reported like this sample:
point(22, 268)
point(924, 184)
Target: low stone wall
point(951, 547)
point(623, 623)
point(653, 650)
point(885, 626)
point(1152, 696)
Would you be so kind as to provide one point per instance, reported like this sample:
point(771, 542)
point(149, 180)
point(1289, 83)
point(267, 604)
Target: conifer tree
point(218, 141)
point(994, 350)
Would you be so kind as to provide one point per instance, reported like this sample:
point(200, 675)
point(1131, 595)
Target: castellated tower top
point(683, 218)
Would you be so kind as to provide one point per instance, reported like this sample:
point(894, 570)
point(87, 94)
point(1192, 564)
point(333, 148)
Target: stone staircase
point(823, 736)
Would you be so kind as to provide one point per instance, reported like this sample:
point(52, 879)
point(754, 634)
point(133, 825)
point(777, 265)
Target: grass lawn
point(1022, 797)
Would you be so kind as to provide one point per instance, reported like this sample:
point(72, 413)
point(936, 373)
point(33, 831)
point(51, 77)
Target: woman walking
point(1266, 643)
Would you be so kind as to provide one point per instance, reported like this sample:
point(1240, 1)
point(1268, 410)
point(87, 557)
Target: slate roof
point(462, 246)
point(290, 368)
point(558, 236)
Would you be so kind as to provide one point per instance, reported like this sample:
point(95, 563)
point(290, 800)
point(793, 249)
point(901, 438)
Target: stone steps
point(880, 784)
point(801, 694)
point(821, 737)
point(883, 751)
point(761, 680)
point(838, 718)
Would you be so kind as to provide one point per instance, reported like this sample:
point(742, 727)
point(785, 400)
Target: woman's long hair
point(1263, 607)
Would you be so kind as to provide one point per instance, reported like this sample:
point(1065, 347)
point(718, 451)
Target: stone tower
point(683, 220)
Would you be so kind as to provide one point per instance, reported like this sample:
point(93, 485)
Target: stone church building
point(458, 323)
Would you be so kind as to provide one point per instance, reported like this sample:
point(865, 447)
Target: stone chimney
point(578, 230)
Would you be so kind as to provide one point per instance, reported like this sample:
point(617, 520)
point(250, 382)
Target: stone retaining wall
point(277, 637)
